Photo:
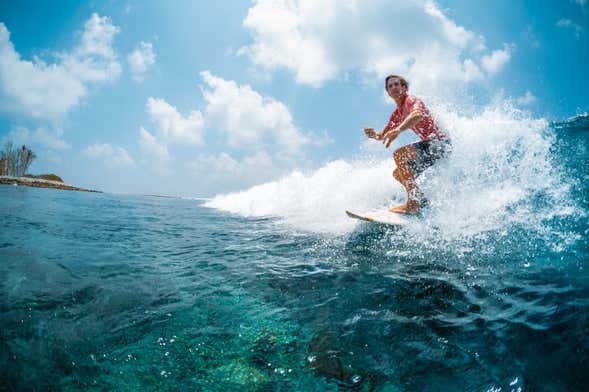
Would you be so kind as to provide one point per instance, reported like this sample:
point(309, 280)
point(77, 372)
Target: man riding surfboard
point(412, 159)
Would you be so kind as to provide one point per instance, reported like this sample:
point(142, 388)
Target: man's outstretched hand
point(370, 133)
point(389, 137)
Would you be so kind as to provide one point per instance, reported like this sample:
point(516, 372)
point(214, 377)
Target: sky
point(200, 98)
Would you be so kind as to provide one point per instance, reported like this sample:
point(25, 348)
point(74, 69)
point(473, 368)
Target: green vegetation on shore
point(50, 177)
point(14, 164)
point(16, 161)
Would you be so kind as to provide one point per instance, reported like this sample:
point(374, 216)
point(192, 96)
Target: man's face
point(395, 89)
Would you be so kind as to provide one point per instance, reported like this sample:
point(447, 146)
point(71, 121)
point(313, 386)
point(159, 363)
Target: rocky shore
point(40, 183)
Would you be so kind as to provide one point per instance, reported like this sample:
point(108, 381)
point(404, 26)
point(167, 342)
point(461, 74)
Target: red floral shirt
point(426, 129)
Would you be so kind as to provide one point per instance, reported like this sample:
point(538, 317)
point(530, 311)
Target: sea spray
point(501, 177)
point(316, 201)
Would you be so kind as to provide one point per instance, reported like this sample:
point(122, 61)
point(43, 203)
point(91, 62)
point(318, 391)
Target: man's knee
point(403, 155)
point(398, 156)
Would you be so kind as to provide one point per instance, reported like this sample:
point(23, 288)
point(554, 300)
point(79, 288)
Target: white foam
point(317, 201)
point(501, 158)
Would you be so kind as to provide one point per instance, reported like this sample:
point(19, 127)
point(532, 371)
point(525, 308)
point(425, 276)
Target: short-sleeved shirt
point(426, 129)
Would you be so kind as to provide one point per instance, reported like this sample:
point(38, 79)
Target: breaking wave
point(509, 173)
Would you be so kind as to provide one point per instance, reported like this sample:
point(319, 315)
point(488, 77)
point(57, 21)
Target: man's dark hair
point(401, 79)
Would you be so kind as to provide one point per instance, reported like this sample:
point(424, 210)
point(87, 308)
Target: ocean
point(273, 288)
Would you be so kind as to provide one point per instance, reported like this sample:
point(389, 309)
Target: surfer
point(414, 158)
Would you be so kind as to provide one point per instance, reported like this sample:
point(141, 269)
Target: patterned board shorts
point(428, 152)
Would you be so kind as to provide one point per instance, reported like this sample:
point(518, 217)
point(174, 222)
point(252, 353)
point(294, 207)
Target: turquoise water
point(112, 292)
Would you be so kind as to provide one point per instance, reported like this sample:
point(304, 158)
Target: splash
point(501, 175)
point(317, 201)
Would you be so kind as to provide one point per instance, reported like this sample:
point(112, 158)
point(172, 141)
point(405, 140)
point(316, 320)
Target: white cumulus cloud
point(154, 149)
point(322, 40)
point(172, 126)
point(245, 120)
point(49, 90)
point(140, 60)
point(248, 119)
point(494, 62)
point(112, 155)
point(42, 137)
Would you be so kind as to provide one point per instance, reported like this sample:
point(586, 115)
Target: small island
point(14, 164)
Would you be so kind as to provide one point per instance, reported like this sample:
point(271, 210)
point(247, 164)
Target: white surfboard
point(380, 216)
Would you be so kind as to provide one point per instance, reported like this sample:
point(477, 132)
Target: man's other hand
point(389, 137)
point(370, 133)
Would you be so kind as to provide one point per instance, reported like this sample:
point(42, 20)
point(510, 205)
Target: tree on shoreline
point(15, 162)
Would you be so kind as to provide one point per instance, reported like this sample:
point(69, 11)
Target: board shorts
point(428, 153)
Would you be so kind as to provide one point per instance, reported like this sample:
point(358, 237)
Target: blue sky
point(195, 99)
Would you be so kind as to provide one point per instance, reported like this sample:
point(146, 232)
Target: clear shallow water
point(109, 292)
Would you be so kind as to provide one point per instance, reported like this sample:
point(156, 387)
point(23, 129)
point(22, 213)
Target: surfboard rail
point(379, 216)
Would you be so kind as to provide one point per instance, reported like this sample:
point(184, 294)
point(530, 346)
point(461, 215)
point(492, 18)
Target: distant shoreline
point(41, 183)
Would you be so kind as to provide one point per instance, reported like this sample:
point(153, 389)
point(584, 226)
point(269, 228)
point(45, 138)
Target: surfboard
point(380, 216)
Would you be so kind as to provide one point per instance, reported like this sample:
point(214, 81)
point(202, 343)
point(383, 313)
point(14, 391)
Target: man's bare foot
point(409, 208)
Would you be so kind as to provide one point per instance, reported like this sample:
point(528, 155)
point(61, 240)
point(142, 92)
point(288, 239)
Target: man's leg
point(404, 174)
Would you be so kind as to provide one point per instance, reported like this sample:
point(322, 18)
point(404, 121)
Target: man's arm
point(379, 135)
point(412, 120)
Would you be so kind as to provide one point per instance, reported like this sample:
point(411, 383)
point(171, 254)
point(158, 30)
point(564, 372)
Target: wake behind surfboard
point(379, 216)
